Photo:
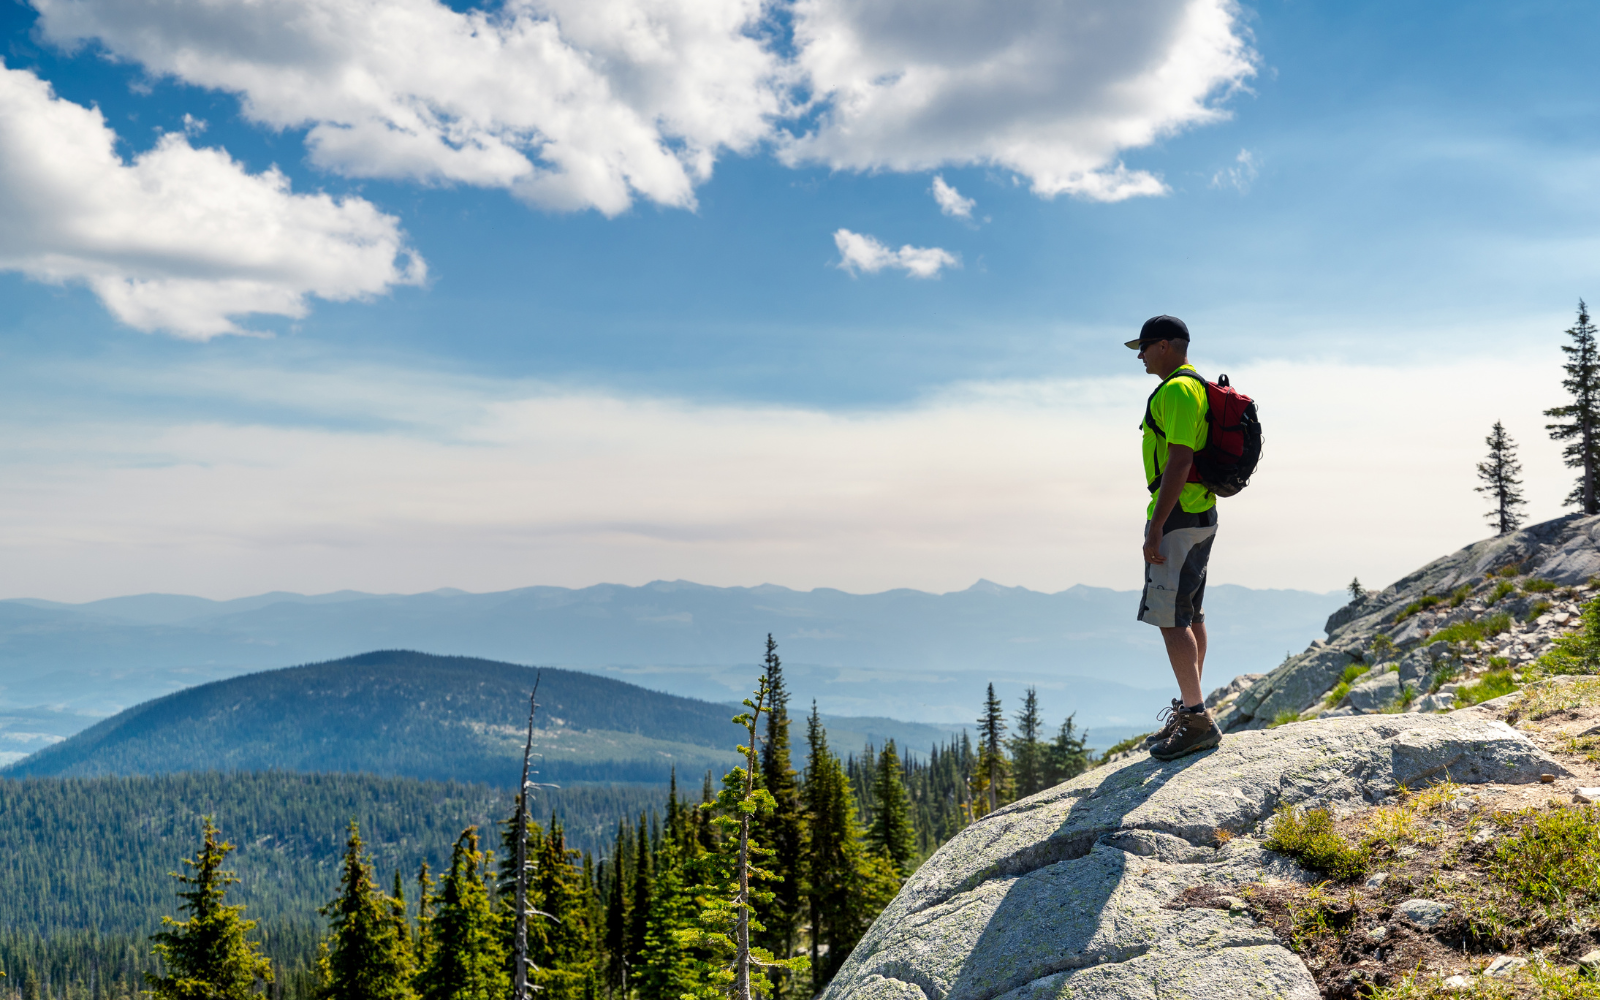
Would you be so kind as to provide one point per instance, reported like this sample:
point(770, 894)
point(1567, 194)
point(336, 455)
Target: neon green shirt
point(1179, 409)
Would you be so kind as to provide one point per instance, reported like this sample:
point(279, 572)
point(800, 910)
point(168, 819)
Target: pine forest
point(348, 887)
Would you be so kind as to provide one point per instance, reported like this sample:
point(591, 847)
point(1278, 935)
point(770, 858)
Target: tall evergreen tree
point(783, 830)
point(562, 949)
point(846, 885)
point(422, 945)
point(643, 884)
point(671, 965)
point(208, 956)
point(1027, 749)
point(1357, 591)
point(892, 834)
point(1579, 421)
point(365, 955)
point(994, 770)
point(619, 898)
point(468, 959)
point(1499, 473)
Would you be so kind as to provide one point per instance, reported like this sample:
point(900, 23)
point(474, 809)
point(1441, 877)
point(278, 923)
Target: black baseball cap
point(1160, 328)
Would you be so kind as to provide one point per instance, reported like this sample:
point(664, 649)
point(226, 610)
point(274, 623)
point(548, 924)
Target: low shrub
point(1382, 646)
point(1509, 571)
point(1539, 608)
point(1538, 586)
point(1459, 632)
point(1491, 685)
point(1403, 701)
point(1576, 652)
point(1555, 859)
point(1420, 604)
point(1501, 589)
point(1351, 673)
point(1307, 835)
point(1283, 718)
point(1459, 595)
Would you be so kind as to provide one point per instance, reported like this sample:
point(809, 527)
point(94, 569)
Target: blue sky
point(1380, 209)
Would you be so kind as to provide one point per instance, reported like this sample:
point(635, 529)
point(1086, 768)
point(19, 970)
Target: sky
point(392, 296)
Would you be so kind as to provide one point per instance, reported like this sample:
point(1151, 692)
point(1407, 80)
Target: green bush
point(1499, 662)
point(1472, 631)
point(1307, 835)
point(1501, 589)
point(1283, 718)
point(1554, 859)
point(1577, 652)
point(1460, 594)
point(1539, 608)
point(1511, 570)
point(1351, 673)
point(1492, 685)
point(1382, 646)
point(1422, 603)
point(1538, 586)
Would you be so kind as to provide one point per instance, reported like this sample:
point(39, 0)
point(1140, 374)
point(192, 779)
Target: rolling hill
point(400, 713)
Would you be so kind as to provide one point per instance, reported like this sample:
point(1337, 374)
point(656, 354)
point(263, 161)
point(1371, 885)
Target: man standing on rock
point(1181, 522)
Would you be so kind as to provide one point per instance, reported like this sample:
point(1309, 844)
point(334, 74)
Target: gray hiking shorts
point(1174, 590)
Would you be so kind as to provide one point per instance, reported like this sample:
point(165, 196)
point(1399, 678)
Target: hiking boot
point(1194, 732)
point(1171, 715)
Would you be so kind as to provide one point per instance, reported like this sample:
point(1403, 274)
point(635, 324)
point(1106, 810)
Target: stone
point(1231, 689)
point(1298, 682)
point(1590, 960)
point(1457, 983)
point(1440, 702)
point(1547, 778)
point(1377, 933)
point(1064, 894)
point(1505, 966)
point(1233, 903)
point(1587, 796)
point(1373, 692)
point(1425, 913)
point(1376, 881)
point(1483, 836)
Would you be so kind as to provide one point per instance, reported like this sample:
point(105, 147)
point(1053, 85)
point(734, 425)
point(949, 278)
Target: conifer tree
point(672, 965)
point(1579, 421)
point(1357, 591)
point(737, 872)
point(993, 772)
point(619, 896)
point(892, 834)
point(1069, 754)
point(365, 955)
point(1498, 473)
point(846, 885)
point(561, 952)
point(422, 946)
point(208, 956)
point(784, 829)
point(468, 959)
point(1027, 749)
point(643, 885)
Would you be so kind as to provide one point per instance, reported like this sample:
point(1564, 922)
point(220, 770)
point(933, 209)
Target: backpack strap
point(1150, 419)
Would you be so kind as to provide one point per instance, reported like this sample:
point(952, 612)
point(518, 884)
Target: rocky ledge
point(1074, 892)
point(1496, 605)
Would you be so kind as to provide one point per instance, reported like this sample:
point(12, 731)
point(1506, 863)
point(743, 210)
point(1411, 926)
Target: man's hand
point(1152, 544)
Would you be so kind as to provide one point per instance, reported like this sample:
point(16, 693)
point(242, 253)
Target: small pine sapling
point(1499, 473)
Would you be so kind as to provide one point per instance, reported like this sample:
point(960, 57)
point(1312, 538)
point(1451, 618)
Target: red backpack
point(1233, 443)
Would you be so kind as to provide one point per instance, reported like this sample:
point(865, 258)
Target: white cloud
point(590, 103)
point(486, 484)
point(1239, 176)
point(859, 252)
point(179, 239)
point(569, 103)
point(950, 200)
point(1055, 90)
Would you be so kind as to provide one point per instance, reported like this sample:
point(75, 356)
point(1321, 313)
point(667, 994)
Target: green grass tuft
point(1422, 603)
point(1554, 859)
point(1283, 718)
point(1351, 673)
point(1382, 646)
point(1538, 586)
point(1460, 594)
point(1492, 685)
point(1501, 589)
point(1509, 571)
point(1307, 835)
point(1577, 652)
point(1539, 608)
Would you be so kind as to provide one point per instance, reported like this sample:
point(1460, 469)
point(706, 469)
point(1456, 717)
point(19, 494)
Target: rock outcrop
point(1074, 892)
point(1395, 634)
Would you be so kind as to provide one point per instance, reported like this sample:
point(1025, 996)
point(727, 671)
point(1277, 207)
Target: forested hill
point(406, 714)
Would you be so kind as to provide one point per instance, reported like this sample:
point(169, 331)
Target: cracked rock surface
point(1066, 894)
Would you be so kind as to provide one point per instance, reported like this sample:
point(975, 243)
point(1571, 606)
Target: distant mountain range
point(902, 653)
point(416, 715)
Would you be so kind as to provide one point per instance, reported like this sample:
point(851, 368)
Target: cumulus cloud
point(179, 239)
point(568, 103)
point(1241, 175)
point(950, 200)
point(1055, 90)
point(593, 103)
point(859, 252)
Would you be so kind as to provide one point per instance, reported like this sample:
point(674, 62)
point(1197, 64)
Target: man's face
point(1155, 354)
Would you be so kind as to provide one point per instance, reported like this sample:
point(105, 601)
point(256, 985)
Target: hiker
point(1180, 525)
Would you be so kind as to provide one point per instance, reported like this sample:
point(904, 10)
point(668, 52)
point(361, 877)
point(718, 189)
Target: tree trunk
point(741, 981)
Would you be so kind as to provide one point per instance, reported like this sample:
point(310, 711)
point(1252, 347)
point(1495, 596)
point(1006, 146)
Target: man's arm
point(1179, 459)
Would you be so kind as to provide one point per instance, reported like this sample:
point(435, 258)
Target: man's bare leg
point(1199, 630)
point(1186, 650)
